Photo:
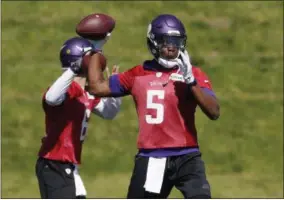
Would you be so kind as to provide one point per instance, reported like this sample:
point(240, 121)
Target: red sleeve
point(201, 78)
point(126, 78)
point(74, 91)
point(122, 83)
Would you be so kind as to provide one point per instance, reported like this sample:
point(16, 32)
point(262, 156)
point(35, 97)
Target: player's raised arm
point(97, 28)
point(98, 85)
point(200, 88)
point(108, 107)
point(117, 85)
point(56, 94)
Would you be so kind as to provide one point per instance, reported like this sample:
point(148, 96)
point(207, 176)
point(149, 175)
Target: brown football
point(95, 26)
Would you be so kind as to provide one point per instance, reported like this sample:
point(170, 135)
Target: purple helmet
point(165, 30)
point(73, 49)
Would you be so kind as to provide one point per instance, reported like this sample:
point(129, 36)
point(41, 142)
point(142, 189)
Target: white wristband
point(189, 80)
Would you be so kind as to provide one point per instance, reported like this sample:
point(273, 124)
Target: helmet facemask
point(170, 46)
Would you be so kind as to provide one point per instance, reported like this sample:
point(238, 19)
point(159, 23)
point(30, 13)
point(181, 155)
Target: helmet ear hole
point(152, 48)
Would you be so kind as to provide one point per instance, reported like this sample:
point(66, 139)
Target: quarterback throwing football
point(67, 106)
point(166, 92)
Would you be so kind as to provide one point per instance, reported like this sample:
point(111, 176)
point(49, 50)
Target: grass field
point(240, 46)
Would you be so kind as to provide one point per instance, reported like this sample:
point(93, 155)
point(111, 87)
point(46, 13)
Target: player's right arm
point(117, 85)
point(56, 94)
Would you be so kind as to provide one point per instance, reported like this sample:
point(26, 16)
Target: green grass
point(240, 46)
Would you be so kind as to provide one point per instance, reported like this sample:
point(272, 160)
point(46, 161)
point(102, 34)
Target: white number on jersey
point(85, 125)
point(157, 106)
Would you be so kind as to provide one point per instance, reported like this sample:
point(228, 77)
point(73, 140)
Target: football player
point(166, 91)
point(67, 107)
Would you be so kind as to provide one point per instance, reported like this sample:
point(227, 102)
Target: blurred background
point(238, 44)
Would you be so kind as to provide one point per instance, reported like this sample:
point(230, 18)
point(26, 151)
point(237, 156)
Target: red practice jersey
point(66, 125)
point(165, 108)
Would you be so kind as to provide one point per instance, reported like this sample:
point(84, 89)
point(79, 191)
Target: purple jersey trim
point(208, 91)
point(117, 90)
point(166, 152)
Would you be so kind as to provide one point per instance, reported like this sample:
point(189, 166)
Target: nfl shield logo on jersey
point(159, 74)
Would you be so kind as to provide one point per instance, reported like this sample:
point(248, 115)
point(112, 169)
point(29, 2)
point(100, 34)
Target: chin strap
point(169, 63)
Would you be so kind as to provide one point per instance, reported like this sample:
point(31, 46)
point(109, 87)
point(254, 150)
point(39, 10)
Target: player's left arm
point(204, 95)
point(200, 87)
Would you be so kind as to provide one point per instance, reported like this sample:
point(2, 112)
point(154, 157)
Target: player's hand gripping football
point(186, 67)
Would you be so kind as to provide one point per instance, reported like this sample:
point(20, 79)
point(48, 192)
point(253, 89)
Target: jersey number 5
point(157, 106)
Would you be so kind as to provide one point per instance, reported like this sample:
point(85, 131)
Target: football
point(95, 26)
point(87, 58)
